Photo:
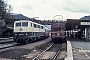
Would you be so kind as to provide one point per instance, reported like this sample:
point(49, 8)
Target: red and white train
point(58, 32)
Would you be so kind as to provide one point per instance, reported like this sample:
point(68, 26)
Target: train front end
point(58, 32)
point(20, 31)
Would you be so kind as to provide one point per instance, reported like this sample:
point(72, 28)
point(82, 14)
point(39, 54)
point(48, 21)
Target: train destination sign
point(85, 23)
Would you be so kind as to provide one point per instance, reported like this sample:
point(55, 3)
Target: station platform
point(77, 49)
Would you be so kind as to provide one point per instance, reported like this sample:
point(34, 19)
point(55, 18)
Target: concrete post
point(89, 33)
point(86, 34)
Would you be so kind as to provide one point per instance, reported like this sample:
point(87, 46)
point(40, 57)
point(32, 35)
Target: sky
point(51, 9)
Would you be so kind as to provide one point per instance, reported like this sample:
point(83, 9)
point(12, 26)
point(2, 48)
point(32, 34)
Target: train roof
point(58, 24)
point(29, 21)
point(21, 20)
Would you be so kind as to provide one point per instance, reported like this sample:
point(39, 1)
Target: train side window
point(24, 23)
point(41, 27)
point(31, 24)
point(18, 24)
point(59, 29)
point(35, 25)
point(38, 26)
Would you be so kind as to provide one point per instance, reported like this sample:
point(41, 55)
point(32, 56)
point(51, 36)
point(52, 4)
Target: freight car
point(58, 32)
point(28, 31)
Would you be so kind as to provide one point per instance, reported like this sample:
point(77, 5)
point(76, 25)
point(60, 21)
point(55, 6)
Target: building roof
point(20, 17)
point(72, 23)
point(85, 18)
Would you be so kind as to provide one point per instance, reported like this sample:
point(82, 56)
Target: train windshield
point(18, 24)
point(58, 29)
point(55, 29)
point(24, 23)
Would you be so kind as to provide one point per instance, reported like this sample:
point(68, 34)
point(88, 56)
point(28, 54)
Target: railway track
point(47, 51)
point(50, 53)
point(6, 43)
point(4, 47)
point(6, 40)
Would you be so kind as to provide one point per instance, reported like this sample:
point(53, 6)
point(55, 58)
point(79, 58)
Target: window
point(60, 29)
point(24, 23)
point(18, 24)
point(41, 27)
point(35, 25)
point(31, 24)
point(55, 29)
point(38, 26)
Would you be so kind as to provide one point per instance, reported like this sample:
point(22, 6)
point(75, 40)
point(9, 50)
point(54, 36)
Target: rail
point(43, 52)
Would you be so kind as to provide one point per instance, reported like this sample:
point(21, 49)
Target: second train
point(58, 32)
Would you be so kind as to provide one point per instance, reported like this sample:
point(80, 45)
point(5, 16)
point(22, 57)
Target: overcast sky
point(47, 9)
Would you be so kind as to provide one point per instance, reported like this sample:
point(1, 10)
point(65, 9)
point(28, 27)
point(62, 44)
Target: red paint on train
point(58, 32)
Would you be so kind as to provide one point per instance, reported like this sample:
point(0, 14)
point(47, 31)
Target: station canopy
point(76, 24)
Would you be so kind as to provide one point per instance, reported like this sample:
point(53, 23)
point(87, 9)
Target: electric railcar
point(28, 31)
point(58, 32)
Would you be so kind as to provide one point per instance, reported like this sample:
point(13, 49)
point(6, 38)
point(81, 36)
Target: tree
point(5, 9)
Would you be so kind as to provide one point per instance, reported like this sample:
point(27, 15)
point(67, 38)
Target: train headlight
point(26, 34)
point(15, 34)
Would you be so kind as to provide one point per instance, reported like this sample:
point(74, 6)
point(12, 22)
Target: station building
point(79, 28)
